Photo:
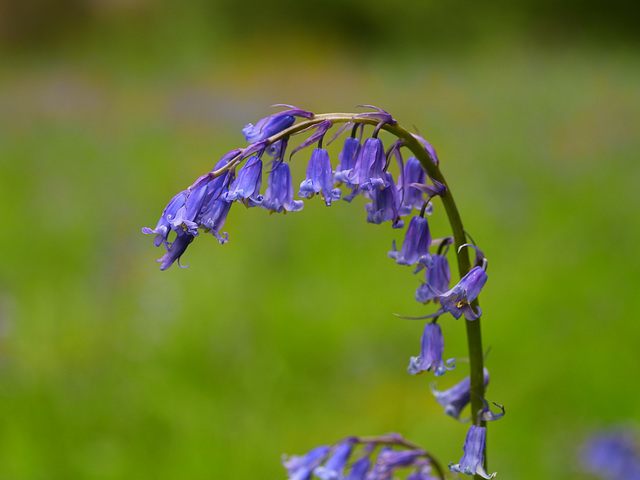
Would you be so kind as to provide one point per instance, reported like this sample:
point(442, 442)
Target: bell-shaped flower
point(368, 171)
point(432, 348)
point(175, 250)
point(273, 124)
point(347, 161)
point(422, 473)
point(279, 193)
point(457, 301)
point(301, 467)
point(384, 206)
point(389, 460)
point(415, 248)
point(411, 197)
point(319, 178)
point(333, 468)
point(246, 186)
point(360, 468)
point(472, 461)
point(164, 224)
point(457, 397)
point(437, 276)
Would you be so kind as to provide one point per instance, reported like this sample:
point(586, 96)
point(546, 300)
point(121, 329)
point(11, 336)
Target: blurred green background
point(283, 339)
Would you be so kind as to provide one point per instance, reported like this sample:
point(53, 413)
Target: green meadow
point(284, 338)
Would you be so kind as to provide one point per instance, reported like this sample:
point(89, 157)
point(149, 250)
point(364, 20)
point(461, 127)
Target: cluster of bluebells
point(612, 456)
point(363, 168)
point(376, 458)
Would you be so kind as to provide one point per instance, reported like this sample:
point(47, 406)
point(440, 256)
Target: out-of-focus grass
point(283, 339)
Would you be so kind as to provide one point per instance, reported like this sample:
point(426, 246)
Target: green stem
point(474, 334)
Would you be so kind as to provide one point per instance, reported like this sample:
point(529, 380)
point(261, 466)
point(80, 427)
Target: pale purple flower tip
point(175, 250)
point(246, 186)
point(457, 397)
point(279, 193)
point(368, 172)
point(301, 467)
point(437, 276)
point(385, 204)
point(333, 468)
point(347, 161)
point(473, 458)
point(411, 196)
point(415, 248)
point(319, 178)
point(432, 348)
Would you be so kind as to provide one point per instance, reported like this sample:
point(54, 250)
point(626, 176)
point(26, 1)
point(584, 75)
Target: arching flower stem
point(474, 334)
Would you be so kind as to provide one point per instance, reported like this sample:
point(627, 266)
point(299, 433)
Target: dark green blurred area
point(283, 339)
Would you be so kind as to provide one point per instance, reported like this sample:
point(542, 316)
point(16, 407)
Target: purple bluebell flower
point(347, 161)
point(319, 178)
point(415, 248)
point(273, 124)
point(279, 193)
point(389, 460)
point(612, 455)
point(411, 197)
point(164, 224)
point(437, 276)
point(301, 467)
point(214, 213)
point(473, 458)
point(384, 206)
point(432, 348)
point(457, 301)
point(457, 397)
point(175, 250)
point(246, 186)
point(333, 468)
point(369, 170)
point(360, 468)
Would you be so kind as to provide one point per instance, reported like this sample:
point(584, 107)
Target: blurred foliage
point(283, 339)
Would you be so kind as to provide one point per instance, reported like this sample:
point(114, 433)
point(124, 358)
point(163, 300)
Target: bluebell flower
point(415, 248)
point(347, 161)
point(432, 348)
point(279, 193)
point(333, 468)
point(457, 397)
point(472, 461)
point(389, 460)
point(457, 301)
point(214, 212)
point(385, 204)
point(164, 224)
point(301, 467)
point(437, 276)
point(319, 178)
point(175, 250)
point(273, 124)
point(369, 170)
point(360, 468)
point(246, 186)
point(612, 455)
point(411, 197)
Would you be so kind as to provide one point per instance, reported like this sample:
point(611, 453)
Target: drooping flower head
point(175, 250)
point(437, 276)
point(389, 460)
point(347, 161)
point(333, 468)
point(273, 124)
point(412, 197)
point(279, 193)
point(457, 397)
point(457, 301)
point(432, 348)
point(164, 224)
point(319, 178)
point(384, 205)
point(301, 467)
point(246, 186)
point(472, 461)
point(415, 248)
point(369, 170)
